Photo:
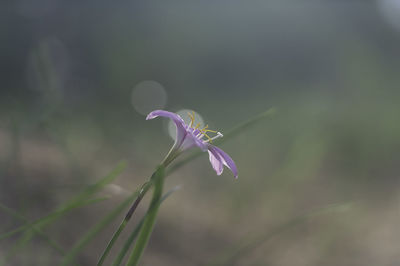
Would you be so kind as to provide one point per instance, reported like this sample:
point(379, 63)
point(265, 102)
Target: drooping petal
point(179, 123)
point(225, 159)
point(215, 161)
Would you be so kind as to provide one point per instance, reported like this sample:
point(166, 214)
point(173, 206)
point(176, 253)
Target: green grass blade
point(30, 232)
point(90, 190)
point(133, 235)
point(15, 248)
point(51, 217)
point(150, 219)
point(76, 202)
point(37, 230)
point(227, 136)
point(128, 243)
point(142, 191)
point(112, 242)
point(240, 251)
point(81, 244)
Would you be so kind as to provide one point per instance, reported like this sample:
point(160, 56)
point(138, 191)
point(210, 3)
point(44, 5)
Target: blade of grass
point(90, 190)
point(50, 217)
point(81, 244)
point(128, 243)
point(227, 136)
point(28, 235)
point(19, 216)
point(142, 191)
point(75, 202)
point(14, 249)
point(240, 251)
point(150, 219)
point(134, 234)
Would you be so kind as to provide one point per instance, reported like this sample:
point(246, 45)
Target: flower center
point(203, 132)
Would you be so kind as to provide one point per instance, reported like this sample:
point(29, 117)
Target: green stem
point(150, 219)
point(146, 186)
point(135, 232)
point(111, 243)
point(172, 154)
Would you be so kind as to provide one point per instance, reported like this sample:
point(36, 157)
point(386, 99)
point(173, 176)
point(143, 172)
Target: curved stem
point(134, 234)
point(172, 154)
point(145, 187)
point(148, 223)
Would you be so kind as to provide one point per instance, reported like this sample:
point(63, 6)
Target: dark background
point(73, 104)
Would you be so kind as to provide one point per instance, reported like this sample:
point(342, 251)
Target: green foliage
point(246, 247)
point(144, 227)
point(128, 243)
point(82, 199)
point(150, 219)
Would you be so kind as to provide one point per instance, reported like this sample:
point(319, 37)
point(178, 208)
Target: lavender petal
point(226, 160)
point(215, 161)
point(179, 123)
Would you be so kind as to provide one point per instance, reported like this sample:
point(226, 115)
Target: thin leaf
point(142, 191)
point(135, 232)
point(150, 219)
point(240, 251)
point(50, 217)
point(76, 202)
point(227, 135)
point(90, 190)
point(81, 244)
point(19, 216)
point(20, 244)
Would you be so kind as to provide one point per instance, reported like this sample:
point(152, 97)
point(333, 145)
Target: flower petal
point(225, 159)
point(173, 116)
point(192, 140)
point(215, 161)
point(179, 123)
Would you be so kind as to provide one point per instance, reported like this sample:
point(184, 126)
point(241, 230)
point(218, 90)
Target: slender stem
point(172, 154)
point(128, 244)
point(124, 222)
point(135, 232)
point(146, 186)
point(111, 243)
point(150, 219)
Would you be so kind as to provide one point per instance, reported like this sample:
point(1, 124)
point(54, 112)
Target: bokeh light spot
point(184, 114)
point(391, 11)
point(147, 96)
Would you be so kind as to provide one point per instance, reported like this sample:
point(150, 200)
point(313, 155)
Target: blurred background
point(78, 78)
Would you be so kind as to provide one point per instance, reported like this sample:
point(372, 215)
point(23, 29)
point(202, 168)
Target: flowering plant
point(188, 136)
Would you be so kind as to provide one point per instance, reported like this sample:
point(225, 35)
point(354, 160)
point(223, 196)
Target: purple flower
point(188, 136)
